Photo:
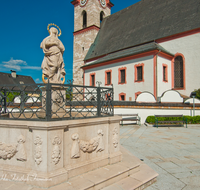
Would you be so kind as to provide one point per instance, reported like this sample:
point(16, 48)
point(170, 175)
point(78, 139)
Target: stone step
point(131, 173)
point(137, 181)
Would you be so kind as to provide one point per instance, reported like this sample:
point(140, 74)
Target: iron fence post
point(22, 102)
point(5, 103)
point(98, 102)
point(48, 101)
point(112, 99)
point(70, 100)
point(98, 99)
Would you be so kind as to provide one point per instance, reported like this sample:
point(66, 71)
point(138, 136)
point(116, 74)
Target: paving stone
point(172, 152)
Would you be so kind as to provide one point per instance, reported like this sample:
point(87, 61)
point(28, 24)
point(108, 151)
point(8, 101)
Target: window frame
point(119, 75)
point(106, 77)
point(173, 77)
point(136, 71)
point(91, 76)
point(120, 96)
point(137, 94)
point(165, 77)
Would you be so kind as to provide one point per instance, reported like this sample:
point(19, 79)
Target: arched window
point(178, 72)
point(101, 16)
point(84, 13)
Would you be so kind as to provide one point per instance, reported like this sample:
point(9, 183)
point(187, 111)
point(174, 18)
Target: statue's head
point(53, 31)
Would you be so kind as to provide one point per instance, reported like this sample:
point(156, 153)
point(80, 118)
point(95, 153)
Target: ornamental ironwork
point(47, 102)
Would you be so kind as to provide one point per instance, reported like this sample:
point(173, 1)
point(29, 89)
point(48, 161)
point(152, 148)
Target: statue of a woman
point(53, 65)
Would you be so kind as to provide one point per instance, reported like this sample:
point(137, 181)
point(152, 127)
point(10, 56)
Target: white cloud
point(18, 65)
point(14, 67)
point(38, 80)
point(31, 67)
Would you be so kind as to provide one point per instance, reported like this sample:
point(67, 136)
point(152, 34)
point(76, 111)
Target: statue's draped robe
point(53, 65)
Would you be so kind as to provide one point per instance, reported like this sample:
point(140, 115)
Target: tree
point(197, 93)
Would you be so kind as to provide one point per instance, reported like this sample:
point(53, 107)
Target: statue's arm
point(61, 46)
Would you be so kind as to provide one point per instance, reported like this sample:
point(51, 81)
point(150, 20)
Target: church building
point(151, 46)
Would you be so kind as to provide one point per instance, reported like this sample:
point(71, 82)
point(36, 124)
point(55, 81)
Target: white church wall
point(188, 46)
point(145, 97)
point(163, 85)
point(131, 87)
point(171, 96)
point(145, 112)
point(32, 99)
point(190, 101)
point(17, 99)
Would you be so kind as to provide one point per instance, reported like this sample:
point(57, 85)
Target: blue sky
point(24, 26)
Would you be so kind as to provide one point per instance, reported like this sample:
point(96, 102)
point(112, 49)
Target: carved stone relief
point(56, 150)
point(115, 137)
point(75, 151)
point(90, 146)
point(7, 151)
point(38, 150)
point(101, 144)
point(21, 152)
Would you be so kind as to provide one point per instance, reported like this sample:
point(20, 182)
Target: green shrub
point(190, 119)
point(150, 119)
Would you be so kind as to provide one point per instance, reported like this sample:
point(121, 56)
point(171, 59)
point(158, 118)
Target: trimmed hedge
point(190, 119)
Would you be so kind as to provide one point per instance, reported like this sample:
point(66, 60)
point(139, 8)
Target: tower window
point(178, 72)
point(84, 19)
point(101, 16)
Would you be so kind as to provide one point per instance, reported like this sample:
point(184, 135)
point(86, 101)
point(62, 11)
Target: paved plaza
point(173, 152)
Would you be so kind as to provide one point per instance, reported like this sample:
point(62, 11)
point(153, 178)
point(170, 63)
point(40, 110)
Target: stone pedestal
point(48, 153)
point(56, 99)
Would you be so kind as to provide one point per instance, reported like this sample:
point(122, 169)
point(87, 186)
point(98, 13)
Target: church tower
point(88, 15)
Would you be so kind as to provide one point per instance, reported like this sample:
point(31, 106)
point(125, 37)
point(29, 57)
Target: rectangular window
point(122, 75)
point(122, 72)
point(122, 97)
point(139, 73)
point(92, 79)
point(165, 73)
point(108, 77)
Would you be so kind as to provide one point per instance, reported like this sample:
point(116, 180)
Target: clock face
point(83, 2)
point(103, 3)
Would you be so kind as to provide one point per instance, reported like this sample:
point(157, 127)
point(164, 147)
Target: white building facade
point(135, 55)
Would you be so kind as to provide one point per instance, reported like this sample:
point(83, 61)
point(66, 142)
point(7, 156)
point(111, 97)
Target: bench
point(134, 117)
point(183, 120)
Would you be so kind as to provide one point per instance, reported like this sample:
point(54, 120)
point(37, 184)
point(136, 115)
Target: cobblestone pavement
point(173, 152)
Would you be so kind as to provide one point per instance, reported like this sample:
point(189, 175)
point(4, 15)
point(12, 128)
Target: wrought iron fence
point(49, 102)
